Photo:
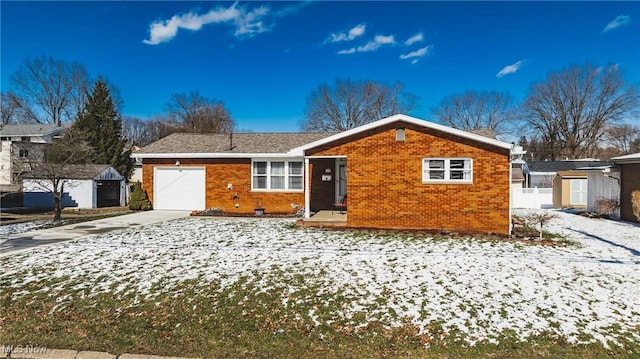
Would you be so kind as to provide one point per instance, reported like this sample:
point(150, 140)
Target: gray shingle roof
point(221, 143)
point(555, 166)
point(88, 171)
point(29, 130)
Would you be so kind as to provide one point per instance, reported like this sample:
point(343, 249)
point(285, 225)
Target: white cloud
point(376, 43)
point(352, 34)
point(246, 23)
point(413, 39)
point(510, 69)
point(415, 55)
point(347, 51)
point(370, 46)
point(621, 20)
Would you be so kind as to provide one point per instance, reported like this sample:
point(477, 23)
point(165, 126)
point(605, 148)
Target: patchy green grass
point(264, 288)
point(204, 319)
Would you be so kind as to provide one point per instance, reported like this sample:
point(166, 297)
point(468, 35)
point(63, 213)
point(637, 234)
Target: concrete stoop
point(10, 352)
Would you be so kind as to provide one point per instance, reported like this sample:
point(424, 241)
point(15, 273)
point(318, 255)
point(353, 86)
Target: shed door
point(108, 193)
point(578, 192)
point(179, 188)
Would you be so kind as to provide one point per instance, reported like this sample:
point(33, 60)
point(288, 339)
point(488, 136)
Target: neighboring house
point(629, 182)
point(22, 142)
point(541, 173)
point(88, 186)
point(399, 173)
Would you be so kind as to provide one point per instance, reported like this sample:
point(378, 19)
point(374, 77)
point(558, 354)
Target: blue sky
point(262, 59)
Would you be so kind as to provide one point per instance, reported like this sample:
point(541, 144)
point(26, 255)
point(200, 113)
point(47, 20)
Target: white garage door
point(179, 188)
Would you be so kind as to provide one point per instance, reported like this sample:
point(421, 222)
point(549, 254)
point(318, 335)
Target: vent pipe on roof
point(230, 141)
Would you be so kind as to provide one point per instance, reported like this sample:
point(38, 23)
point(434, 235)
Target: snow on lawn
point(474, 289)
point(8, 229)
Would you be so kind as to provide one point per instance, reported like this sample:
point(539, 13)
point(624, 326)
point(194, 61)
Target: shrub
point(139, 200)
point(607, 205)
point(635, 204)
point(540, 219)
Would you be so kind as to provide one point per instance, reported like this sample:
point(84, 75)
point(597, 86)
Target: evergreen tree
point(139, 199)
point(103, 125)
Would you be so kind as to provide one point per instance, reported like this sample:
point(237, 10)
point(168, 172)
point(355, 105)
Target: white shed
point(88, 186)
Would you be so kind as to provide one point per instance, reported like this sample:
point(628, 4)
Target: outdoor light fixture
point(178, 163)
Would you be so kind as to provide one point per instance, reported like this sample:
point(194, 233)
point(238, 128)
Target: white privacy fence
point(532, 198)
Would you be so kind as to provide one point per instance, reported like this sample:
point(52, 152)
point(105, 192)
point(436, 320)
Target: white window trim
point(447, 169)
point(286, 175)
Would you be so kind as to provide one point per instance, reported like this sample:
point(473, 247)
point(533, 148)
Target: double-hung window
point(450, 170)
point(277, 175)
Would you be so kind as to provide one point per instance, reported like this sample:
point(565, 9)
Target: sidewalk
point(29, 352)
point(20, 242)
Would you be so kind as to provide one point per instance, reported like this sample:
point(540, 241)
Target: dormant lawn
point(214, 287)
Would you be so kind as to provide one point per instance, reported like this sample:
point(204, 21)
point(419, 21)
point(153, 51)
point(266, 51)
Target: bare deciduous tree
point(623, 137)
point(52, 89)
point(199, 114)
point(56, 170)
point(348, 104)
point(572, 109)
point(13, 110)
point(136, 131)
point(486, 110)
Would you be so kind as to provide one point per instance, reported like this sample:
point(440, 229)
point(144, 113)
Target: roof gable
point(404, 119)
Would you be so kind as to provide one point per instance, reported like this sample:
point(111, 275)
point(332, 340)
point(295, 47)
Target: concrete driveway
point(24, 241)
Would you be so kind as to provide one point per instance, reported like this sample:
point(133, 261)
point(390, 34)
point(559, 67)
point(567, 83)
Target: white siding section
point(77, 193)
point(601, 185)
point(5, 163)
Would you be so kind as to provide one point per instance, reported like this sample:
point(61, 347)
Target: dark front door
point(108, 193)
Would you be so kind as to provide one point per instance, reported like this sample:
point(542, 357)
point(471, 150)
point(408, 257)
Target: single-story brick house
point(399, 172)
point(629, 181)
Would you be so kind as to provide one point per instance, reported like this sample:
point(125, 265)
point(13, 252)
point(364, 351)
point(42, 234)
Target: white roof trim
point(632, 158)
point(215, 155)
point(411, 120)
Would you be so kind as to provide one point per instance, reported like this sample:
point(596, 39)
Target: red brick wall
point(385, 189)
point(629, 181)
point(221, 172)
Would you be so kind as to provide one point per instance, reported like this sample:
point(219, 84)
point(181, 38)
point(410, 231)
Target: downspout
point(510, 200)
point(511, 189)
point(307, 189)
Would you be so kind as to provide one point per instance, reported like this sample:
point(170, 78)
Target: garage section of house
point(179, 188)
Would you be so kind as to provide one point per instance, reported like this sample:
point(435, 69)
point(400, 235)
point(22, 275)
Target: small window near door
point(295, 175)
